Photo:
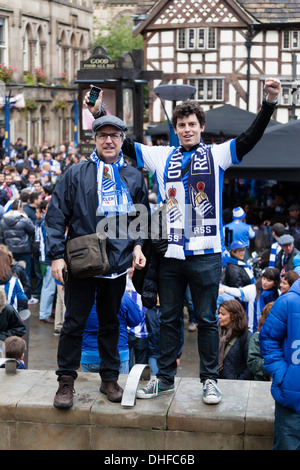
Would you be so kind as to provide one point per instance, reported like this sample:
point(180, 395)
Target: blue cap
point(237, 244)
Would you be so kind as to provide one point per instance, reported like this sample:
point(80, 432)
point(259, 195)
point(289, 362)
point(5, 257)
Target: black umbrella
point(276, 156)
point(229, 121)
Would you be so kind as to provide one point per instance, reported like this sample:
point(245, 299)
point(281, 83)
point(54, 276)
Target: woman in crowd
point(256, 296)
point(234, 337)
point(287, 280)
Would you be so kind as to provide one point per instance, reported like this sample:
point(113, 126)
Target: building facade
point(41, 45)
point(225, 49)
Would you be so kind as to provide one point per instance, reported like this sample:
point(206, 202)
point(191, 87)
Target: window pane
point(286, 40)
point(210, 84)
point(295, 43)
point(200, 89)
point(211, 40)
point(191, 39)
point(181, 39)
point(219, 89)
point(201, 38)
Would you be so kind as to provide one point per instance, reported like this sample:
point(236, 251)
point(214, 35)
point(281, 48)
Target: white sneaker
point(32, 301)
point(212, 395)
point(154, 388)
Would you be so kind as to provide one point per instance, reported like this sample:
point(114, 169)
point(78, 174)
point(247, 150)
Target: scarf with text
point(113, 194)
point(200, 210)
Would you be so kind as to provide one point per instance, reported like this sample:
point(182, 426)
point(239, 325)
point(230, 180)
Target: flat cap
point(109, 121)
point(285, 239)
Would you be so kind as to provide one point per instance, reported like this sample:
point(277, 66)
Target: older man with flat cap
point(89, 193)
point(285, 256)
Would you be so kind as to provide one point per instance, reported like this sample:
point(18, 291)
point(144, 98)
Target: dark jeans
point(202, 273)
point(286, 428)
point(79, 299)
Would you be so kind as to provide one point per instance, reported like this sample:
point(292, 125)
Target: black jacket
point(10, 321)
point(235, 276)
point(74, 204)
point(16, 232)
point(235, 363)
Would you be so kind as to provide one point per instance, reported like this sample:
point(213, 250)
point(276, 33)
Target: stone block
point(188, 412)
point(146, 414)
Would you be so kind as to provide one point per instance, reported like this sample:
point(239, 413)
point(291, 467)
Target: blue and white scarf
point(200, 200)
point(247, 268)
point(113, 194)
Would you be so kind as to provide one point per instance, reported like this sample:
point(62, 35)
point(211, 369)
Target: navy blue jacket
point(279, 341)
point(74, 203)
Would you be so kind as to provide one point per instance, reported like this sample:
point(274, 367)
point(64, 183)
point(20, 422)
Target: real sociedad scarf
point(113, 194)
point(242, 264)
point(201, 202)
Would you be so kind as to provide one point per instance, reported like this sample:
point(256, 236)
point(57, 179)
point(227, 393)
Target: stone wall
point(28, 421)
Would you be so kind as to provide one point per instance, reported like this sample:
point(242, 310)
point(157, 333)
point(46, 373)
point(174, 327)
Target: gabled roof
point(273, 11)
point(170, 14)
point(166, 14)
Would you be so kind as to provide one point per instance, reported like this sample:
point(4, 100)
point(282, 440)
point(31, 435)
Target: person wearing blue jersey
point(190, 181)
point(239, 230)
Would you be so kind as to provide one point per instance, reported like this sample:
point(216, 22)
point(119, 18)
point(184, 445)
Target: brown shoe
point(48, 320)
point(64, 395)
point(113, 391)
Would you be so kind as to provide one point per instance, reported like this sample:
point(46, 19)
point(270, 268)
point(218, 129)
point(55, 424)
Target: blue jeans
point(286, 428)
point(47, 294)
point(202, 273)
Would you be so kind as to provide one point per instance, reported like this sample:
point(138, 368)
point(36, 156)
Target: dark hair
point(272, 274)
point(290, 276)
point(48, 188)
point(237, 315)
point(185, 109)
point(279, 229)
point(16, 204)
point(43, 205)
point(264, 313)
point(33, 197)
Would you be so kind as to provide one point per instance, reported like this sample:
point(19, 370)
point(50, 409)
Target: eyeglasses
point(115, 136)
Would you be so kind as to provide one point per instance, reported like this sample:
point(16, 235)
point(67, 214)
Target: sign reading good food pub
point(97, 62)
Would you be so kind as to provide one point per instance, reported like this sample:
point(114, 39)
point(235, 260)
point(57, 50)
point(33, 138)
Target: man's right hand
point(58, 265)
point(98, 104)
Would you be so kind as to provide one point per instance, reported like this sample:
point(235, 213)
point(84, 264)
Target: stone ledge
point(28, 420)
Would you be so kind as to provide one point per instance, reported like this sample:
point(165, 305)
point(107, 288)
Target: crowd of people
point(105, 320)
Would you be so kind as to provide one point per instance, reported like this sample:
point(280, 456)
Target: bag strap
point(229, 345)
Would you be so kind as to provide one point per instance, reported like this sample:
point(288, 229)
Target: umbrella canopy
point(276, 156)
point(229, 121)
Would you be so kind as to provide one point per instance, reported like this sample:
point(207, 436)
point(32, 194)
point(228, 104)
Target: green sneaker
point(211, 393)
point(154, 388)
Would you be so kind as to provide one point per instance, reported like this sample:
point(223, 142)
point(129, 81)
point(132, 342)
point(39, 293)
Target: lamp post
point(295, 87)
point(76, 121)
